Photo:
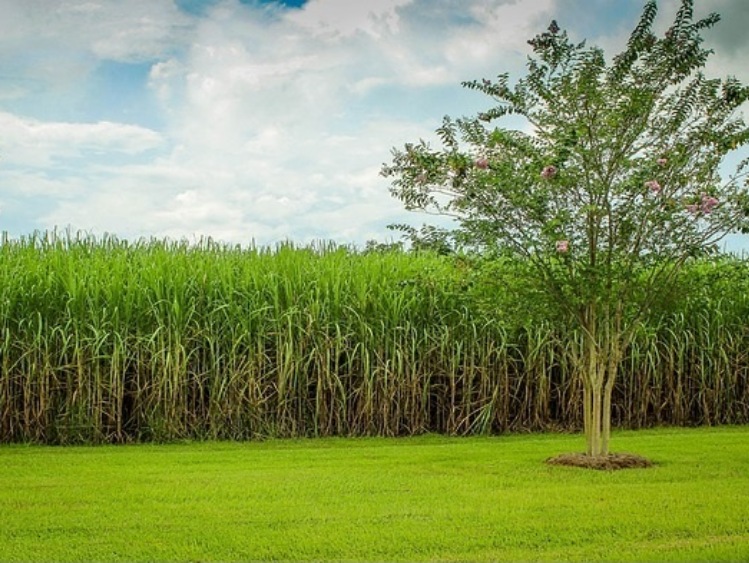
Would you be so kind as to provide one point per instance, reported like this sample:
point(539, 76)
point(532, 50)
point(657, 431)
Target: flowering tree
point(614, 187)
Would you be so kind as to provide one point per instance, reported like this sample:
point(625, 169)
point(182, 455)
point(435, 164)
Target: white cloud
point(30, 142)
point(110, 29)
point(342, 18)
point(48, 45)
point(275, 122)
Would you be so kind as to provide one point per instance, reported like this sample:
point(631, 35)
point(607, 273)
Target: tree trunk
point(595, 430)
point(587, 416)
point(593, 387)
point(601, 354)
point(607, 392)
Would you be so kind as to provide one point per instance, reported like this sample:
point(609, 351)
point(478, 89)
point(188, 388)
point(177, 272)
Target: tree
point(614, 188)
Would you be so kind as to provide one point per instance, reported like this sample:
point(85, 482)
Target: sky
point(256, 121)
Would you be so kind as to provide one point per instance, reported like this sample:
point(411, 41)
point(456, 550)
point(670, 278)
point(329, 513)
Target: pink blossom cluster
point(706, 205)
point(482, 163)
point(549, 172)
point(563, 246)
point(662, 161)
point(653, 186)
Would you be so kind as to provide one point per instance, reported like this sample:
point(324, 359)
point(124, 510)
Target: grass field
point(429, 498)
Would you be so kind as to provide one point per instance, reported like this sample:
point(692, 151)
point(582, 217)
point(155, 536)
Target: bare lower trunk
point(597, 415)
point(601, 359)
point(588, 417)
point(607, 392)
point(596, 431)
point(592, 384)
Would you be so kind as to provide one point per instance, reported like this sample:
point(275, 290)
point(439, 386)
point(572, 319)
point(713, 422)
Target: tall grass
point(110, 341)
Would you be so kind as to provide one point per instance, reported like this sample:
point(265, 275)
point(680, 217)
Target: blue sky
point(256, 120)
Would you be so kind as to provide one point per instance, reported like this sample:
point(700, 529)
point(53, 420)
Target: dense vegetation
point(110, 341)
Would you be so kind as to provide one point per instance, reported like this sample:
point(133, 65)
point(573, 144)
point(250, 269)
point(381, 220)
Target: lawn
point(429, 498)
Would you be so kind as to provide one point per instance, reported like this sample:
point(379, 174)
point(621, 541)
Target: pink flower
point(563, 246)
point(549, 172)
point(653, 186)
point(708, 203)
point(482, 163)
point(662, 161)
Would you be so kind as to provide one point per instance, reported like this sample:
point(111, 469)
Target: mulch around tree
point(608, 462)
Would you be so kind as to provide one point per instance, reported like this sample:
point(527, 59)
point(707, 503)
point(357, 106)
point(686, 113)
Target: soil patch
point(608, 462)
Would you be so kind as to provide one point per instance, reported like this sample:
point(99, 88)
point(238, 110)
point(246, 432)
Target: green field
point(428, 498)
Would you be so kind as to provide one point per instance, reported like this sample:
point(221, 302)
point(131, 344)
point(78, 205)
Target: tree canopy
point(613, 184)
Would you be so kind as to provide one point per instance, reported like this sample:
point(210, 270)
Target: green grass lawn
point(430, 498)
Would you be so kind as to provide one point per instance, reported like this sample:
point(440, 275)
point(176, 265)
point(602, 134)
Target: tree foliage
point(610, 188)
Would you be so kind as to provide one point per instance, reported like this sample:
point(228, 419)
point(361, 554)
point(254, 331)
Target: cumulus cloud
point(728, 38)
point(730, 35)
point(32, 142)
point(48, 45)
point(108, 29)
point(287, 116)
point(274, 122)
point(342, 18)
